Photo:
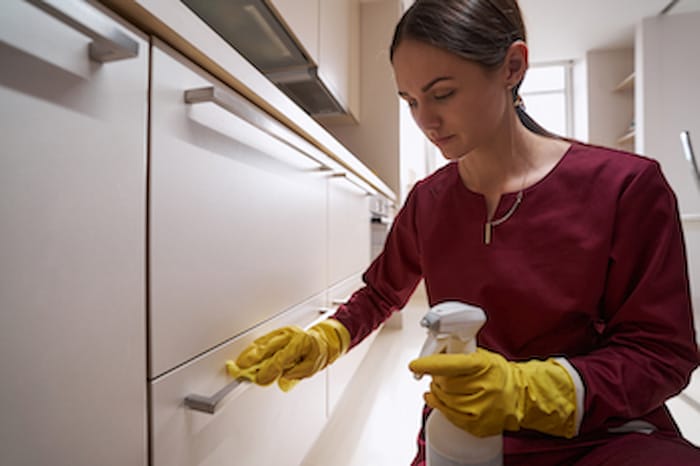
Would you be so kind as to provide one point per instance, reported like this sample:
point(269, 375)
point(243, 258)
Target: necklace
point(488, 226)
point(490, 223)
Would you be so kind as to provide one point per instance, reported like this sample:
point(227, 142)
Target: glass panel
point(543, 78)
point(549, 110)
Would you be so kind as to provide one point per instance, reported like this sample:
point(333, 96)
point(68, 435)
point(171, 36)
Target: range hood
point(253, 29)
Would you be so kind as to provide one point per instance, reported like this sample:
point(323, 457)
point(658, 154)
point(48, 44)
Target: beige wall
point(375, 139)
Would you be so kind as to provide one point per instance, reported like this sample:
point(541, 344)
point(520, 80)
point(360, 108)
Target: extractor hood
point(253, 29)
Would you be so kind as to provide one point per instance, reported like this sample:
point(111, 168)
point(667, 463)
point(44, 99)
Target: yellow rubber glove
point(485, 394)
point(289, 354)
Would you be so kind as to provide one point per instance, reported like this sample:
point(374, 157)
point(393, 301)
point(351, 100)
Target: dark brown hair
point(476, 30)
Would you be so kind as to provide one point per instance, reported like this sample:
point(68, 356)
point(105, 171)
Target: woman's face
point(457, 103)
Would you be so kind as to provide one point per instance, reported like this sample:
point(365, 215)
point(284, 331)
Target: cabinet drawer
point(254, 425)
point(349, 228)
point(72, 237)
point(237, 218)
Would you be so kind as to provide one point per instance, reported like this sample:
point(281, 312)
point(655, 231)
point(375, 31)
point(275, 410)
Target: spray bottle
point(452, 328)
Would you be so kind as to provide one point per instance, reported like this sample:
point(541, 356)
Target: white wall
point(668, 97)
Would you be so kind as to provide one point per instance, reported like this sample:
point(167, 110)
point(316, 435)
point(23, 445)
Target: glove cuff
point(337, 337)
point(549, 398)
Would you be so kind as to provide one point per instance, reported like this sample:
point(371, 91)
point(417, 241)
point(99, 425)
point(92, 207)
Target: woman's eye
point(443, 95)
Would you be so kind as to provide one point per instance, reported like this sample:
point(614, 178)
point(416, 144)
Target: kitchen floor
point(378, 418)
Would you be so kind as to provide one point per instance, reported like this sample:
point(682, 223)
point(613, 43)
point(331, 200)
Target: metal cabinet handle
point(209, 404)
point(364, 187)
point(241, 108)
point(108, 42)
point(690, 156)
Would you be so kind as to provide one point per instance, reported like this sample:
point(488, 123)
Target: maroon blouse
point(591, 266)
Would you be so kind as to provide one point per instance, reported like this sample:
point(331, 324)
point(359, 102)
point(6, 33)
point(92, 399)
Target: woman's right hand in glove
point(289, 354)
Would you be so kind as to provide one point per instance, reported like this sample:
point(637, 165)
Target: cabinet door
point(252, 425)
point(72, 229)
point(302, 19)
point(349, 228)
point(238, 218)
point(339, 44)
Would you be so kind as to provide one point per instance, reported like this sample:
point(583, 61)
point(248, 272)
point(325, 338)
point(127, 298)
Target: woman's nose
point(426, 119)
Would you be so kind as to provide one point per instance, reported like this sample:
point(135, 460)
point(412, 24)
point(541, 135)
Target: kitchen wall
point(375, 140)
point(667, 98)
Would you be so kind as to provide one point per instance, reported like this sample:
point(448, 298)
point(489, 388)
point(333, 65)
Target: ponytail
point(526, 119)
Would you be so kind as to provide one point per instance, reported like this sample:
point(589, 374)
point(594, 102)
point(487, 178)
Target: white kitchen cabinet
point(328, 30)
point(302, 18)
point(252, 425)
point(73, 229)
point(342, 370)
point(238, 222)
point(338, 55)
point(349, 229)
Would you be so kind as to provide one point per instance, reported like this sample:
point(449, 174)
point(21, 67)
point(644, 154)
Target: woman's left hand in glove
point(485, 394)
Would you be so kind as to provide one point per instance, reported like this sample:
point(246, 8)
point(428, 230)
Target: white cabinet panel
point(349, 229)
point(238, 220)
point(339, 44)
point(341, 371)
point(72, 229)
point(260, 426)
point(302, 18)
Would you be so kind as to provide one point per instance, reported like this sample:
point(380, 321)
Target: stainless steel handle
point(690, 155)
point(364, 187)
point(108, 42)
point(242, 108)
point(209, 404)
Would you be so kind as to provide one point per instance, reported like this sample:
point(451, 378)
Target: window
point(546, 92)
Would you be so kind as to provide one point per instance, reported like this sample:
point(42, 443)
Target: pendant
point(488, 226)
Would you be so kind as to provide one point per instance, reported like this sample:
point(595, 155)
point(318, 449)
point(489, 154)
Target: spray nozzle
point(452, 326)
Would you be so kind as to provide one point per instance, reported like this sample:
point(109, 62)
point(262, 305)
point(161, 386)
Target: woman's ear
point(515, 63)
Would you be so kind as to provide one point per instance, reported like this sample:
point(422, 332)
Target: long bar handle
point(242, 108)
point(690, 155)
point(364, 187)
point(108, 42)
point(209, 404)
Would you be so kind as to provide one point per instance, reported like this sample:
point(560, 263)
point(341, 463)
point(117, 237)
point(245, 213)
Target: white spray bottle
point(452, 328)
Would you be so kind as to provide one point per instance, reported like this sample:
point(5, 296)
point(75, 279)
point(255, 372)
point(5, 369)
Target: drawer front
point(340, 372)
point(349, 229)
point(238, 219)
point(72, 239)
point(260, 426)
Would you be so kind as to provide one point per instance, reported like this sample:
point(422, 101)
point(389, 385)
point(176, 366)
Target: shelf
point(627, 83)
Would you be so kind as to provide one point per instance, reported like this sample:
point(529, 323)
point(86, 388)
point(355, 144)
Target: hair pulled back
point(478, 30)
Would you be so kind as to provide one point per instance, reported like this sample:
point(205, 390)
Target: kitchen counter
point(174, 23)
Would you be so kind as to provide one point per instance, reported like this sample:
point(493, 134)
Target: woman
point(575, 253)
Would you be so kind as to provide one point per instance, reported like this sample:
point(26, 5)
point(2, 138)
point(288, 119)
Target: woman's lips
point(442, 141)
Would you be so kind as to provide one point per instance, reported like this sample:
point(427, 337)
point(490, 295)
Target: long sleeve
point(389, 281)
point(647, 344)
